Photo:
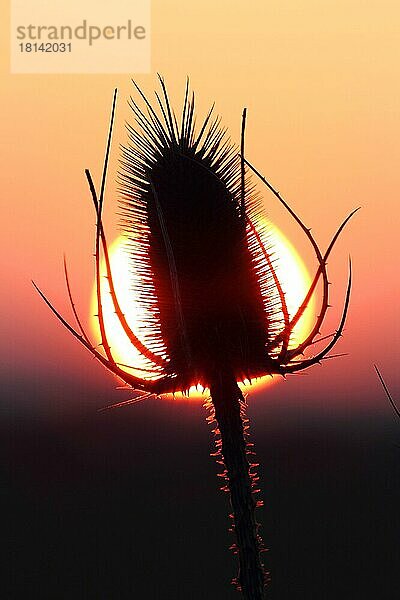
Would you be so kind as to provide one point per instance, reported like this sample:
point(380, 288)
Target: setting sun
point(290, 270)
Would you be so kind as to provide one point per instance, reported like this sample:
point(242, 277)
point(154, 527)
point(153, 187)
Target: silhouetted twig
point(388, 394)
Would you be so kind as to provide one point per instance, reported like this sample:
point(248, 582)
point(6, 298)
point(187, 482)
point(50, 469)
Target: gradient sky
point(321, 86)
point(124, 504)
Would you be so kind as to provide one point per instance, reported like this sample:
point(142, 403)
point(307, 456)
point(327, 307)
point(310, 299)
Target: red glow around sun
point(290, 269)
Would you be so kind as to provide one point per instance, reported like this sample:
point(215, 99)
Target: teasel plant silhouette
point(217, 312)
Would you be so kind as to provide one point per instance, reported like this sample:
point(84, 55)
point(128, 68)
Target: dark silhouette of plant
point(387, 392)
point(216, 310)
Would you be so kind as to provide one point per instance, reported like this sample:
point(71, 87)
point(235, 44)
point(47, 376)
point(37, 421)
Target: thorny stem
point(227, 398)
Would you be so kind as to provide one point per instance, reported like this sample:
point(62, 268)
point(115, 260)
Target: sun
point(290, 269)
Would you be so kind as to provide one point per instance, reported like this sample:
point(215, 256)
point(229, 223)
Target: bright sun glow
point(290, 269)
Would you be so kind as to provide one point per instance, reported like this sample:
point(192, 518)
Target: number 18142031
point(45, 47)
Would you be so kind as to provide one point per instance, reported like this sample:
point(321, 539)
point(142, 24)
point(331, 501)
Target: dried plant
point(217, 313)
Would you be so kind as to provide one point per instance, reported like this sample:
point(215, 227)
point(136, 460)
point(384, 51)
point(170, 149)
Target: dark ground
point(124, 504)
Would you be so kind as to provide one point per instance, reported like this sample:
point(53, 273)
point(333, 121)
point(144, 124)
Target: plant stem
point(226, 398)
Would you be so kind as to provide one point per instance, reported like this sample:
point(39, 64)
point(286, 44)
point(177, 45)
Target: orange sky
point(321, 84)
